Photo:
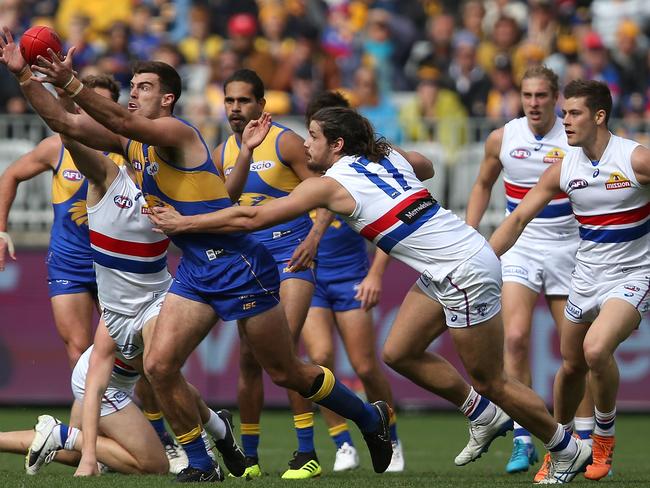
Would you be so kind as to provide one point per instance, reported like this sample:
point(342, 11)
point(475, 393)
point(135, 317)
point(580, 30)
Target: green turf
point(430, 441)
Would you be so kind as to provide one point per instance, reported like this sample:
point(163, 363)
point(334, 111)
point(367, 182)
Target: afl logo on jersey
point(258, 166)
point(228, 171)
point(72, 175)
point(122, 201)
point(520, 153)
point(578, 184)
point(137, 165)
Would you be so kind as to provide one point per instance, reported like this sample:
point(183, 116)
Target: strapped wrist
point(73, 87)
point(24, 76)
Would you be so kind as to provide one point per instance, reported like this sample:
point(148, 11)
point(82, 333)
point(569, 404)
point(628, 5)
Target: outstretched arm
point(42, 158)
point(99, 169)
point(97, 379)
point(488, 173)
point(77, 126)
point(163, 131)
point(543, 192)
point(310, 194)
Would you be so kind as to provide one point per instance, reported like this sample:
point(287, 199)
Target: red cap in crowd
point(242, 25)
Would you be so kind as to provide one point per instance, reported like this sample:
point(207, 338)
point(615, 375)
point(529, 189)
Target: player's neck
point(594, 149)
point(540, 132)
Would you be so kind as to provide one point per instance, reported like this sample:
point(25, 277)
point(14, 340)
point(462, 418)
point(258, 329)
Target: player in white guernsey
point(544, 255)
point(380, 195)
point(606, 178)
point(119, 419)
point(132, 281)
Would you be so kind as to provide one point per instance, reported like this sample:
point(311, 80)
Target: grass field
point(431, 440)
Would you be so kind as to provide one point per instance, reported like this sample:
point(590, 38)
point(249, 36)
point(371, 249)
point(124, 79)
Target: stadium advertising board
point(34, 368)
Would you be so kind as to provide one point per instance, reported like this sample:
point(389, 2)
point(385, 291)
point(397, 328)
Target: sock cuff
point(326, 387)
point(151, 416)
point(190, 436)
point(600, 414)
point(303, 420)
point(337, 429)
point(249, 429)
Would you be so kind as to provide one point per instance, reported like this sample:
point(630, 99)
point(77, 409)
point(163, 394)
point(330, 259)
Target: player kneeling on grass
point(117, 447)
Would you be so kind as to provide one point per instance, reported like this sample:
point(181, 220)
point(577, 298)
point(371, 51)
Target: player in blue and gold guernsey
point(70, 274)
point(271, 171)
point(228, 277)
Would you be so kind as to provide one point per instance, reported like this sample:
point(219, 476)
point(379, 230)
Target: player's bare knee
point(596, 356)
point(366, 371)
point(393, 357)
point(323, 358)
point(158, 371)
point(574, 366)
point(516, 344)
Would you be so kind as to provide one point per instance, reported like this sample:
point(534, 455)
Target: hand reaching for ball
point(10, 54)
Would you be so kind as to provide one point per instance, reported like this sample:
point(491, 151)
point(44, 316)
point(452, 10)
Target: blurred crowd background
point(420, 70)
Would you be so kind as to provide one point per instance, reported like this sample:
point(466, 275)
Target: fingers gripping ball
point(35, 42)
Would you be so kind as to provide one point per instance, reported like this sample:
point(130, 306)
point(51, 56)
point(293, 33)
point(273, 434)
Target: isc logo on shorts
point(249, 305)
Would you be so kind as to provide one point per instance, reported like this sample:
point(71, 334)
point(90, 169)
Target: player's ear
point(337, 145)
point(262, 102)
point(168, 99)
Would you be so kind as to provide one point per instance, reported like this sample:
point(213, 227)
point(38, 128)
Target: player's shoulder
point(494, 141)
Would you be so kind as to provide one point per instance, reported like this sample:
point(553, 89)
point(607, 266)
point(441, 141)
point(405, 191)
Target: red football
point(35, 42)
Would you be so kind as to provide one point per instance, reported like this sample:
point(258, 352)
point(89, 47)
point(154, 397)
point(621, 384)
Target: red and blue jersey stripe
point(128, 256)
point(625, 226)
point(392, 229)
point(560, 206)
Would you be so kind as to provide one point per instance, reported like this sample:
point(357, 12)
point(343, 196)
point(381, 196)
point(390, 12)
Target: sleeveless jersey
point(130, 259)
point(524, 158)
point(269, 178)
point(69, 235)
point(396, 212)
point(191, 192)
point(612, 208)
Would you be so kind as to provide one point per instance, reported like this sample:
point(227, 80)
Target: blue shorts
point(235, 285)
point(285, 274)
point(282, 250)
point(337, 292)
point(67, 276)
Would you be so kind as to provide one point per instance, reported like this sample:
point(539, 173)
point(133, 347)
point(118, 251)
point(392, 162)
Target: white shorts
point(546, 265)
point(113, 400)
point(126, 330)
point(471, 293)
point(588, 295)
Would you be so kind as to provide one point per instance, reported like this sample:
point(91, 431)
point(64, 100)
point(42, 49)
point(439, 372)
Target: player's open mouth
point(132, 106)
